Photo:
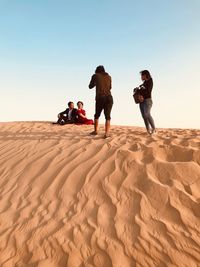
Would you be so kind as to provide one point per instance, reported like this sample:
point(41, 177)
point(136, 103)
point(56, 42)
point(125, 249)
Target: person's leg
point(149, 117)
point(144, 112)
point(107, 111)
point(98, 110)
point(107, 128)
point(61, 119)
point(96, 126)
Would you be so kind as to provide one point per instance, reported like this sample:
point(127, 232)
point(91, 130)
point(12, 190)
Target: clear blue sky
point(49, 50)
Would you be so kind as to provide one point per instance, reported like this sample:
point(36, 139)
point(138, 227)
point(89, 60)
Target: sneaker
point(153, 131)
point(149, 131)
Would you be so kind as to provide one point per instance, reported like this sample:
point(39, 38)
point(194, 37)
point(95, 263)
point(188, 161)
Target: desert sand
point(68, 199)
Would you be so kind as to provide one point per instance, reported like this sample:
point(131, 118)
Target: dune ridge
point(69, 199)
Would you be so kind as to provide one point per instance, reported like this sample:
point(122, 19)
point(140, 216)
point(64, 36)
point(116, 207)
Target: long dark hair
point(100, 69)
point(147, 73)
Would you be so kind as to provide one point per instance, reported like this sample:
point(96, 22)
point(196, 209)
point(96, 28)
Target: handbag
point(137, 95)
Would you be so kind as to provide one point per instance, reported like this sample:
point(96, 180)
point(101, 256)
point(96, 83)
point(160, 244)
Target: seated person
point(68, 116)
point(82, 119)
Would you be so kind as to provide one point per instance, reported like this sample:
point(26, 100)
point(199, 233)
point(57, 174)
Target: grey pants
point(145, 108)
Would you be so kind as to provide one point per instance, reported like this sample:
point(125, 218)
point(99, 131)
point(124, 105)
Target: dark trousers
point(104, 103)
point(64, 120)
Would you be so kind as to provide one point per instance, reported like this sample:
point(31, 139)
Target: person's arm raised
point(92, 82)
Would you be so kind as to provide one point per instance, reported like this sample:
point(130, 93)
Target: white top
point(70, 114)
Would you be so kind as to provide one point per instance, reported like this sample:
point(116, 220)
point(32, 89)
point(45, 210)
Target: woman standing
point(146, 104)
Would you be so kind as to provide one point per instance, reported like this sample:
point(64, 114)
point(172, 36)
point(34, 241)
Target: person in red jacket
point(81, 114)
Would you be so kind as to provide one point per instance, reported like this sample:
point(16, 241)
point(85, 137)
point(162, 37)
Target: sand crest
point(70, 199)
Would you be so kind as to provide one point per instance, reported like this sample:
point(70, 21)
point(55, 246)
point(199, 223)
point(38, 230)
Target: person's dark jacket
point(102, 81)
point(74, 114)
point(146, 88)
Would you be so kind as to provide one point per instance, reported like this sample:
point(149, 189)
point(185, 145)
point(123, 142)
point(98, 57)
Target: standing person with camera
point(145, 100)
point(104, 101)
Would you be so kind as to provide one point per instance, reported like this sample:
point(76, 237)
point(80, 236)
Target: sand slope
point(69, 199)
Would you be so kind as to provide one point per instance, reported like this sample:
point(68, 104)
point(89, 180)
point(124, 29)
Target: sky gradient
point(50, 49)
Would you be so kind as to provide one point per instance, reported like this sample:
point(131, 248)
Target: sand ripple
point(69, 199)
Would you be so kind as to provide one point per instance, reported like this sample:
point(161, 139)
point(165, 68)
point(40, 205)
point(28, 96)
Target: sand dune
point(69, 199)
